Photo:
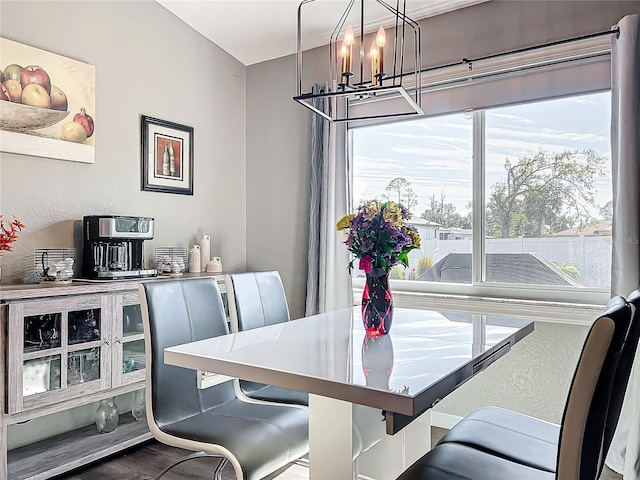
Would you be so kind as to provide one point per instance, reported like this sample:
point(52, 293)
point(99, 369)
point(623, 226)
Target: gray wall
point(278, 177)
point(147, 62)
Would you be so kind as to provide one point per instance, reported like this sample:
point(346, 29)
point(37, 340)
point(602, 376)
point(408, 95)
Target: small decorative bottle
point(195, 265)
point(139, 406)
point(165, 161)
point(205, 252)
point(107, 416)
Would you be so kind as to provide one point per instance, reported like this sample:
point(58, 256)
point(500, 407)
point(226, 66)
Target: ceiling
point(254, 31)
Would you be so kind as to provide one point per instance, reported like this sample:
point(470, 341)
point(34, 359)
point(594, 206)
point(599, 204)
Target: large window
point(514, 197)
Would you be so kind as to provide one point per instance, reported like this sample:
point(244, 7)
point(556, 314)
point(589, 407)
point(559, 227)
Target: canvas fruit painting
point(46, 96)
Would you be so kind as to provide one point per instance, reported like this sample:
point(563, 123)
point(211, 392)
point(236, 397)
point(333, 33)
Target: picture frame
point(54, 115)
point(167, 156)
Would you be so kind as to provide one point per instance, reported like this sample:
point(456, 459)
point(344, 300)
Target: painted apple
point(36, 96)
point(85, 120)
point(58, 99)
point(37, 75)
point(73, 132)
point(12, 71)
point(4, 95)
point(15, 90)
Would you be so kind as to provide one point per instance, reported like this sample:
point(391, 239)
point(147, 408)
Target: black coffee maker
point(112, 247)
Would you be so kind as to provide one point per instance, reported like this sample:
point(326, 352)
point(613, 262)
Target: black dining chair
point(257, 299)
point(534, 442)
point(255, 439)
point(500, 444)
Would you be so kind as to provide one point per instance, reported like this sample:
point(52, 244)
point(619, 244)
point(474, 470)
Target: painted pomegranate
point(85, 120)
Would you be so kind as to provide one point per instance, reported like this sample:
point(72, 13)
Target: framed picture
point(47, 104)
point(167, 157)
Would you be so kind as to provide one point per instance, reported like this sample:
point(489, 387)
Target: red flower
point(366, 263)
point(9, 232)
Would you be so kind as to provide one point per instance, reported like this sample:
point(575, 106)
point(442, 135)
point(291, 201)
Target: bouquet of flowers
point(9, 231)
point(379, 235)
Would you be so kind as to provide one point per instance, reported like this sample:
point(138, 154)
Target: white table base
point(348, 441)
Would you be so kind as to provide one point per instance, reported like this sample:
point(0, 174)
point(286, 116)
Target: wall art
point(47, 104)
point(167, 157)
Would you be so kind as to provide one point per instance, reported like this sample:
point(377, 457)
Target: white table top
point(426, 355)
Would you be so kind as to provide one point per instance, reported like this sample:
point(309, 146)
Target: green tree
point(606, 211)
point(445, 214)
point(569, 270)
point(544, 193)
point(400, 188)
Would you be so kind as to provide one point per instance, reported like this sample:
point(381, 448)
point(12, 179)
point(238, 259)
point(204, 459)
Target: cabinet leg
point(3, 446)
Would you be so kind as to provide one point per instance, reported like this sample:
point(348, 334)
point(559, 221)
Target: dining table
point(370, 397)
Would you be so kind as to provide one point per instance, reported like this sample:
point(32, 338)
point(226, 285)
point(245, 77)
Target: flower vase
point(377, 303)
point(107, 416)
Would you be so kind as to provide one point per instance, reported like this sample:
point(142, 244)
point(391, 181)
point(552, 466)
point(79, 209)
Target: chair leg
point(217, 474)
point(195, 455)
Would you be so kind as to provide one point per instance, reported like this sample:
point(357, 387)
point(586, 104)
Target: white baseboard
point(444, 420)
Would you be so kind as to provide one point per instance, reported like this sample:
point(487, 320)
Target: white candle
point(344, 53)
point(381, 40)
point(373, 51)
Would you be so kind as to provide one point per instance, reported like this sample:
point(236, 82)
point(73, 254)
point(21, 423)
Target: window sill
point(548, 311)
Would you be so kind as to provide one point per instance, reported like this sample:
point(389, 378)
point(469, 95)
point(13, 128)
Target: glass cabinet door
point(56, 350)
point(128, 356)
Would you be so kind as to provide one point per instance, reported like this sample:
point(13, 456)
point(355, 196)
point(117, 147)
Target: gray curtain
point(624, 454)
point(328, 283)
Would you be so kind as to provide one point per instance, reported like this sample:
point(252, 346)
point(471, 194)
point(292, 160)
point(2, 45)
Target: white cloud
point(584, 101)
point(546, 134)
point(515, 118)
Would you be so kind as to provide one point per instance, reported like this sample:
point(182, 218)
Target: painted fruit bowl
point(18, 117)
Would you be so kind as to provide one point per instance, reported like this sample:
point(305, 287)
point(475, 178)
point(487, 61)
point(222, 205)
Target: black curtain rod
point(464, 61)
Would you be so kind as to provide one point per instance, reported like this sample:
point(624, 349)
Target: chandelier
point(367, 52)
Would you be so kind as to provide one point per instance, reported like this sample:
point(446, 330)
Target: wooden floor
point(147, 461)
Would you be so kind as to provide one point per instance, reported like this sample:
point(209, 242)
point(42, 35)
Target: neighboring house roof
point(600, 228)
point(422, 221)
point(529, 268)
point(463, 232)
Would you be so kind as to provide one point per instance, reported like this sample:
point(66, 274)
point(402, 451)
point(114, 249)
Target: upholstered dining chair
point(255, 439)
point(257, 299)
point(521, 447)
point(534, 442)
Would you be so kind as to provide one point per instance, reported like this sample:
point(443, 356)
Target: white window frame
point(591, 54)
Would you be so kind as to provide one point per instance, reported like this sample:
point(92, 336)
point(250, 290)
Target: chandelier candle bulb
point(349, 38)
point(344, 54)
point(373, 51)
point(381, 40)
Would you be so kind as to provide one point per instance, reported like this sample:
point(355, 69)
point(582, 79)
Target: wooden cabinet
point(65, 347)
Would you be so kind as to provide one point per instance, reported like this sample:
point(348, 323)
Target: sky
point(434, 154)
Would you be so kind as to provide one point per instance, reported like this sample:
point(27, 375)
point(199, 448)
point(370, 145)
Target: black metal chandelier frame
point(352, 87)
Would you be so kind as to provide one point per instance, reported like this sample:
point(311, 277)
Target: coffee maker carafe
point(112, 247)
